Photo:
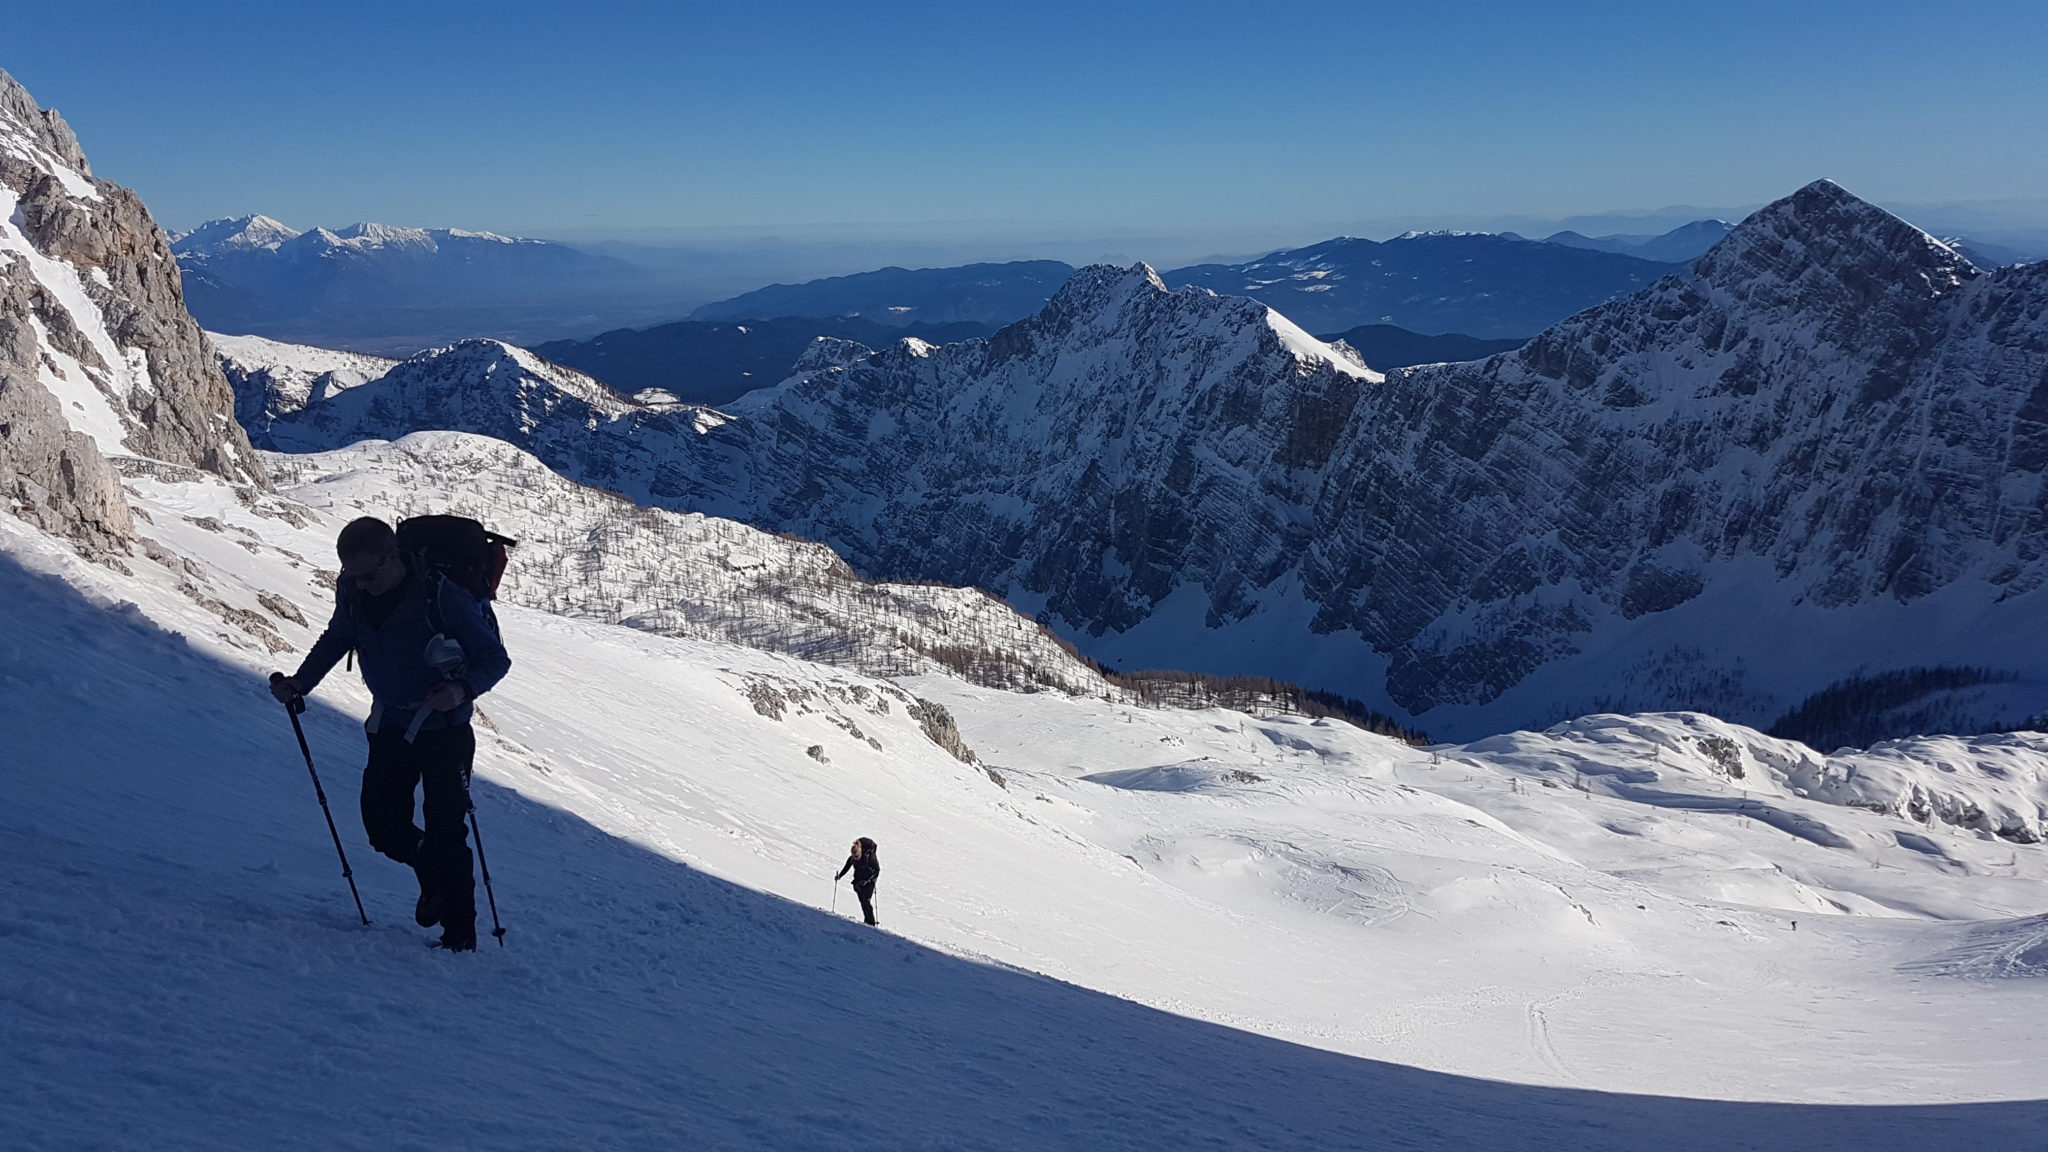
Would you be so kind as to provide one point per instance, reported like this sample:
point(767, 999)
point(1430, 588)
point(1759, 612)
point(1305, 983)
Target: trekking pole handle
point(296, 705)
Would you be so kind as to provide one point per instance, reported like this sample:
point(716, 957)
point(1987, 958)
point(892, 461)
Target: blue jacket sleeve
point(482, 651)
point(334, 643)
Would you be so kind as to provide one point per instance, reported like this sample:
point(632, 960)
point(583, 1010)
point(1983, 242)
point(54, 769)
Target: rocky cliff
point(98, 358)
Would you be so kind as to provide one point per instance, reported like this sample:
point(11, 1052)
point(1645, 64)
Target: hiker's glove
point(284, 688)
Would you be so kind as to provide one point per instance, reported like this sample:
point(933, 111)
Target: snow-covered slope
point(1283, 933)
point(594, 555)
point(272, 379)
point(659, 826)
point(1126, 928)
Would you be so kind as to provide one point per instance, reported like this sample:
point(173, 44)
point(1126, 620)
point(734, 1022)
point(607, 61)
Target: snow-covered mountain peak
point(1100, 287)
point(240, 233)
point(272, 379)
point(483, 386)
point(1660, 503)
point(508, 365)
point(373, 233)
point(1824, 230)
point(830, 352)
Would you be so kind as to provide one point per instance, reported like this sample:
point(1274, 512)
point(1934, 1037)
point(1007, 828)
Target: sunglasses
point(362, 573)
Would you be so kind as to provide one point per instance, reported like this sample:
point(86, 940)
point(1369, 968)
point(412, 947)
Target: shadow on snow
point(184, 970)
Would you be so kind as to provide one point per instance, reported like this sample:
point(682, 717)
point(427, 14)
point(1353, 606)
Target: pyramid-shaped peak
point(1096, 296)
point(1826, 227)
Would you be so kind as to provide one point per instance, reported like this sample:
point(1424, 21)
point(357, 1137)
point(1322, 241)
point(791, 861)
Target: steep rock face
point(1174, 433)
point(98, 357)
point(1818, 452)
point(1828, 390)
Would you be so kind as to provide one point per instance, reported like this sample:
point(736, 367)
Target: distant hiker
point(398, 614)
point(866, 868)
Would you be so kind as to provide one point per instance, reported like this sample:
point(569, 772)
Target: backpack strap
point(435, 584)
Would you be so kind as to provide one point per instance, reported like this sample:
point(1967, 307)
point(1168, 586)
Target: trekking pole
point(292, 709)
point(497, 929)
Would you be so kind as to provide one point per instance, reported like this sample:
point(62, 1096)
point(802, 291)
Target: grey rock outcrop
point(98, 357)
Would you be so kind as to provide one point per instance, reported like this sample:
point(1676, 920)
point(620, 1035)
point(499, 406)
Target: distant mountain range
point(1478, 283)
point(1677, 246)
point(1486, 285)
point(1812, 455)
point(376, 288)
point(992, 294)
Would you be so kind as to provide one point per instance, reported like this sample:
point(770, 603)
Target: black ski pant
point(866, 892)
point(438, 763)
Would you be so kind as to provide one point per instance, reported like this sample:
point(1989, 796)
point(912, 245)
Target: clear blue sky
point(538, 117)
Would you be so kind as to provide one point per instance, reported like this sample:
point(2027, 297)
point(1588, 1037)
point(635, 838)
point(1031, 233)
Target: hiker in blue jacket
point(389, 609)
point(866, 867)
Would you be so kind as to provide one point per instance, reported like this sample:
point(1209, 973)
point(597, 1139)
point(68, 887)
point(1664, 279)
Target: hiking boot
point(426, 911)
point(458, 938)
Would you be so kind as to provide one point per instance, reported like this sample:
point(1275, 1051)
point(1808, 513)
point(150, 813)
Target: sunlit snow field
point(1160, 930)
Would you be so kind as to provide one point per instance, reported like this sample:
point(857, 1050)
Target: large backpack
point(461, 551)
